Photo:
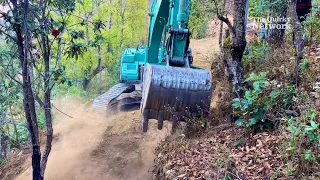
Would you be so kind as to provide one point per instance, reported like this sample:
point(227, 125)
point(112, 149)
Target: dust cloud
point(99, 146)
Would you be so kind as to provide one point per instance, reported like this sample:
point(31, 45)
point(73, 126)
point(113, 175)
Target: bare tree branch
point(225, 20)
point(61, 111)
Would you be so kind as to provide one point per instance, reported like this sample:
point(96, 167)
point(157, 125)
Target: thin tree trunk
point(98, 69)
point(86, 83)
point(47, 103)
point(15, 129)
point(59, 53)
point(298, 41)
point(276, 35)
point(3, 141)
point(28, 96)
point(232, 53)
point(221, 29)
point(122, 22)
point(238, 46)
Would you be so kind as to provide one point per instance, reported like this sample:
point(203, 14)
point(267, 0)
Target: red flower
point(55, 32)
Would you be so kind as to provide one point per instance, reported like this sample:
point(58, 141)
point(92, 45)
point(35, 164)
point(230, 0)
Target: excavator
point(159, 79)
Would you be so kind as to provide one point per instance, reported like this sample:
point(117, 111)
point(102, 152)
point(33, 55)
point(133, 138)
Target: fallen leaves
point(219, 156)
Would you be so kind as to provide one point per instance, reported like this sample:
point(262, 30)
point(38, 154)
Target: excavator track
point(101, 103)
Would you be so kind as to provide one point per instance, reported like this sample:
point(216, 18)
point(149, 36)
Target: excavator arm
point(168, 40)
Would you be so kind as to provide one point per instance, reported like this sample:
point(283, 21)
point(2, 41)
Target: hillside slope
point(98, 146)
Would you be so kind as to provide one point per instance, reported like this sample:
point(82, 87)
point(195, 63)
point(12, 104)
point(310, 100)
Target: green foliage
point(59, 76)
point(198, 20)
point(307, 126)
point(312, 22)
point(75, 50)
point(95, 40)
point(256, 53)
point(305, 65)
point(263, 97)
point(260, 8)
point(226, 178)
point(304, 134)
point(41, 120)
point(23, 133)
point(72, 91)
point(113, 74)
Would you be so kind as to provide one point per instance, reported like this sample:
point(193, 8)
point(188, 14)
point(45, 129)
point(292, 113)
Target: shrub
point(255, 54)
point(262, 102)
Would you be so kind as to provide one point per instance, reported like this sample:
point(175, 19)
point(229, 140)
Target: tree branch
point(225, 20)
point(61, 111)
point(39, 100)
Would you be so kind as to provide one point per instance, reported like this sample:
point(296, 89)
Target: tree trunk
point(15, 129)
point(30, 113)
point(221, 29)
point(233, 52)
point(122, 12)
point(220, 36)
point(276, 35)
point(238, 46)
point(4, 145)
point(98, 69)
point(28, 96)
point(85, 84)
point(298, 41)
point(60, 52)
point(47, 102)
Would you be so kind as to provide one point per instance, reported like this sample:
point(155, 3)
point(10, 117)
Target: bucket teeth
point(169, 92)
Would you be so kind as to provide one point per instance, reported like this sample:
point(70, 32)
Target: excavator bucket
point(169, 93)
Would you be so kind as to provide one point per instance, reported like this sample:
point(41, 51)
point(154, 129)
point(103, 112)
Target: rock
point(169, 172)
point(20, 153)
point(181, 175)
point(316, 85)
point(291, 112)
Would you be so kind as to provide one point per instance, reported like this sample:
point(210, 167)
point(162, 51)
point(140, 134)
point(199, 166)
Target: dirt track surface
point(95, 146)
point(204, 49)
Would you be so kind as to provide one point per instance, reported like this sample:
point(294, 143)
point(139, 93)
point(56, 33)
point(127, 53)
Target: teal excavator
point(160, 79)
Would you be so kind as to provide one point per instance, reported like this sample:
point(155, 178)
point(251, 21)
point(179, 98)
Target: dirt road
point(95, 146)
